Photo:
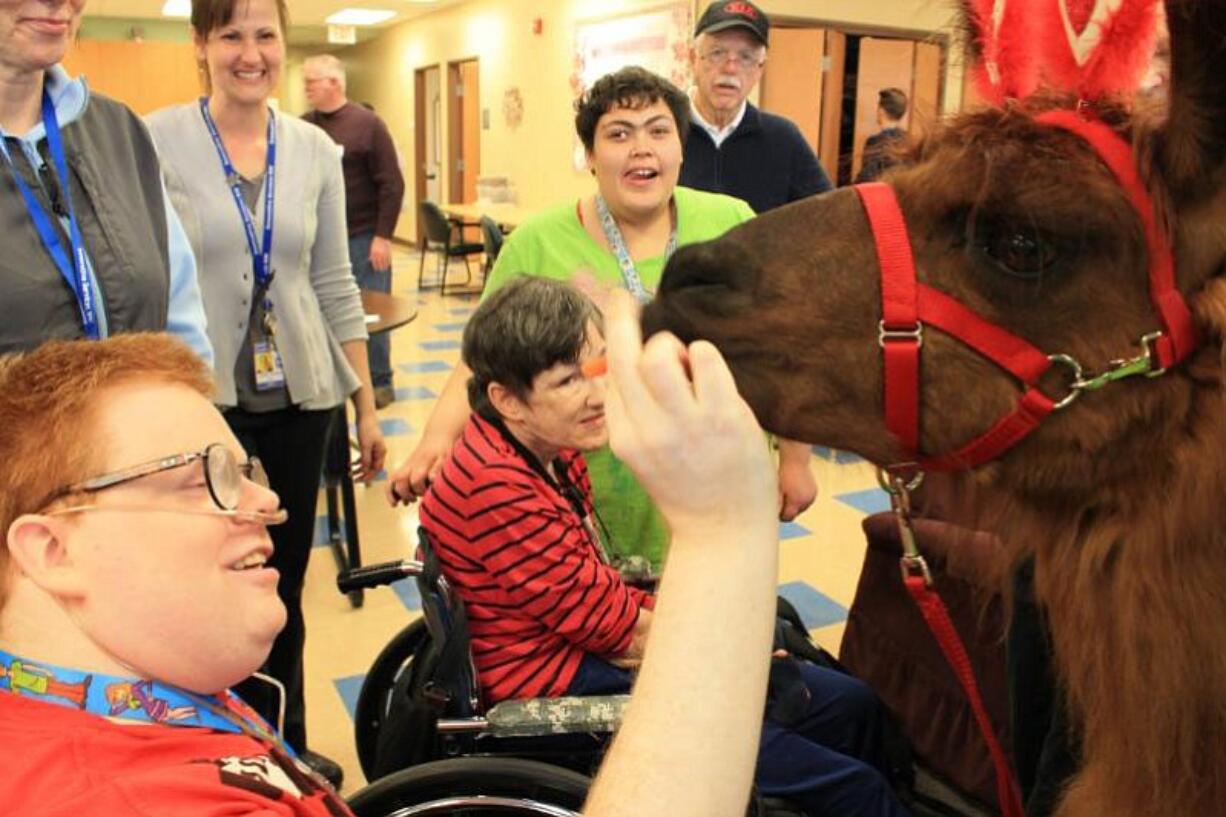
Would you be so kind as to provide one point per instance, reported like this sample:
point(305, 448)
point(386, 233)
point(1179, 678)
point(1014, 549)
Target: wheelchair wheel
point(375, 696)
point(475, 787)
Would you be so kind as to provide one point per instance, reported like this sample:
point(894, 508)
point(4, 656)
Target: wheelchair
point(431, 748)
point(429, 745)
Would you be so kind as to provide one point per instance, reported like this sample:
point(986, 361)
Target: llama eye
point(1020, 250)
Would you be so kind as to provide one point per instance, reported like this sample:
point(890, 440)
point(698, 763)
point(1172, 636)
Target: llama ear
point(1096, 48)
point(1191, 147)
point(1000, 38)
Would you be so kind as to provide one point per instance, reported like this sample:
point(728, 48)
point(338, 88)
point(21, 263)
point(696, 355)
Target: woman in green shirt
point(632, 124)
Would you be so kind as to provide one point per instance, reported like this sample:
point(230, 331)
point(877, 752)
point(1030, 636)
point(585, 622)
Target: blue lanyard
point(630, 275)
point(261, 257)
point(76, 271)
point(131, 699)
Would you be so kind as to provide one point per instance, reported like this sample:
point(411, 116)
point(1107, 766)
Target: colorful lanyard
point(76, 271)
point(132, 699)
point(630, 275)
point(261, 258)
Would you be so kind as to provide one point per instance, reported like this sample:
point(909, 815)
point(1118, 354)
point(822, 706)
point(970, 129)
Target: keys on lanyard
point(261, 255)
point(75, 267)
point(630, 275)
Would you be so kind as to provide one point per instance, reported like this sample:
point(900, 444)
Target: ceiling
point(302, 12)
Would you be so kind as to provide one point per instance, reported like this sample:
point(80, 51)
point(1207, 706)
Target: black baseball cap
point(725, 14)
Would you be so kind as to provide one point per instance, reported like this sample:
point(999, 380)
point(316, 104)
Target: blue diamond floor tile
point(406, 591)
point(426, 367)
point(321, 532)
point(467, 310)
point(348, 688)
point(816, 608)
point(792, 530)
point(390, 426)
point(870, 500)
point(439, 345)
point(415, 393)
point(395, 427)
point(450, 327)
point(836, 456)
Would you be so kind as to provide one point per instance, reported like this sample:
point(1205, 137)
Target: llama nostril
point(698, 265)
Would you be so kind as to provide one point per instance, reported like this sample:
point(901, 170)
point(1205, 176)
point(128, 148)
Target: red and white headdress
point(1094, 48)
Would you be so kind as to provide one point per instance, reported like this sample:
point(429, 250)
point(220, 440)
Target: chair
point(446, 237)
point(491, 238)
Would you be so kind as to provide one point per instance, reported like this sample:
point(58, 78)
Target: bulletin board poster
point(656, 38)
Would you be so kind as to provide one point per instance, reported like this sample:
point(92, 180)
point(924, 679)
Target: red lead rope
point(937, 617)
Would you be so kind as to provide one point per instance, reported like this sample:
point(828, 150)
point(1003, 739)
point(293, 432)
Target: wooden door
point(792, 84)
point(144, 76)
point(926, 83)
point(464, 131)
point(426, 142)
point(884, 63)
point(832, 102)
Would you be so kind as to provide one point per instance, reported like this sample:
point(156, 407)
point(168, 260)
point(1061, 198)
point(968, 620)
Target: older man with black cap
point(733, 147)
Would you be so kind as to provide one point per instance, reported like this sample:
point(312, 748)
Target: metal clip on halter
point(1145, 363)
point(894, 483)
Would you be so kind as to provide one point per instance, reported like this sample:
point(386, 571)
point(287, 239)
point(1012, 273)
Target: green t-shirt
point(554, 244)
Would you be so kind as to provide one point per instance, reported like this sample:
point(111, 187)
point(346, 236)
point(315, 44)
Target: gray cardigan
point(314, 295)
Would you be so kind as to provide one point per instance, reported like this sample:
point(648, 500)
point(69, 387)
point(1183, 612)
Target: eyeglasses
point(744, 57)
point(223, 475)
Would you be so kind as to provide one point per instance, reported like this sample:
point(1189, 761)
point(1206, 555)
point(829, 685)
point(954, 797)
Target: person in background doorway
point(92, 246)
point(262, 197)
point(734, 147)
point(374, 190)
point(879, 148)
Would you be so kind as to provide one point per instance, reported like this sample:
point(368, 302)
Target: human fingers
point(624, 341)
point(713, 384)
point(663, 370)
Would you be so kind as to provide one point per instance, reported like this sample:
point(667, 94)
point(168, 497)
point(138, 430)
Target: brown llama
point(1118, 499)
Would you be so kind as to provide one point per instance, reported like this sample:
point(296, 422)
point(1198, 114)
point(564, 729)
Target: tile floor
point(820, 553)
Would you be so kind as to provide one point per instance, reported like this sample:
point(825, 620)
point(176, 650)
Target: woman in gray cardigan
point(263, 201)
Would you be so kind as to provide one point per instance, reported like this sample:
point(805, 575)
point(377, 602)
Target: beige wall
point(536, 156)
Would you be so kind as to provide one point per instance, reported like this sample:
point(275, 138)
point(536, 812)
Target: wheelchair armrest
point(557, 716)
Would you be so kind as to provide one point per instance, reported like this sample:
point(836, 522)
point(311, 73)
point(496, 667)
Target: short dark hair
point(630, 87)
point(208, 15)
point(893, 101)
point(526, 327)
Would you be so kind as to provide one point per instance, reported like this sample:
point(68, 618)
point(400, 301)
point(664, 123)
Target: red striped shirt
point(539, 595)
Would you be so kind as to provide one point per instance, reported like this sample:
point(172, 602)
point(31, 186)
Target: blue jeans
point(379, 347)
point(829, 763)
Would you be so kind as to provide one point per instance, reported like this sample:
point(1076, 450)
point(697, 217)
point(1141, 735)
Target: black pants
point(290, 444)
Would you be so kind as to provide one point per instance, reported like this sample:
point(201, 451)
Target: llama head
point(1021, 222)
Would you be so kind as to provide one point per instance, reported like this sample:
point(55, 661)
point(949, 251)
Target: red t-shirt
point(61, 762)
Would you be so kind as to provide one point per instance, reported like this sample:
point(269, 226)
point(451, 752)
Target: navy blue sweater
point(765, 162)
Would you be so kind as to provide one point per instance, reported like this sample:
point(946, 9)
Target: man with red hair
point(133, 559)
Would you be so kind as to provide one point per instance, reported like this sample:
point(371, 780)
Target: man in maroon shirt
point(374, 190)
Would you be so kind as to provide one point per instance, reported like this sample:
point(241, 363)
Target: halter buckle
point(915, 334)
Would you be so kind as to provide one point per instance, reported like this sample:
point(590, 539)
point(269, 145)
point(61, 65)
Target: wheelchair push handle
point(376, 575)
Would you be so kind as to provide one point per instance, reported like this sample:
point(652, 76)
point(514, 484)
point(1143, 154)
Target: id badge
point(268, 372)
